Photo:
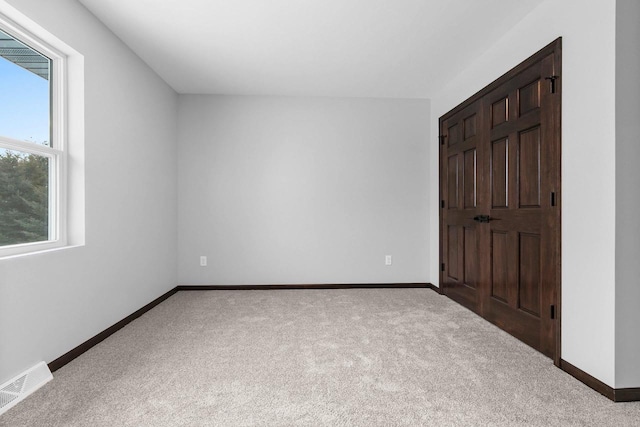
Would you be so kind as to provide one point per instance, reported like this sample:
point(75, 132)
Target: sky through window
point(24, 104)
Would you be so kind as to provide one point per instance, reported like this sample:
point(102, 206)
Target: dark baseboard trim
point(435, 288)
point(587, 379)
point(70, 355)
point(627, 394)
point(615, 394)
point(300, 286)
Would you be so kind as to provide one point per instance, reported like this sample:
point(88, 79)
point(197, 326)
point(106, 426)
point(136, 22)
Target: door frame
point(554, 48)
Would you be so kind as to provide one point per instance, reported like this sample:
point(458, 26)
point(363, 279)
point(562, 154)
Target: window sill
point(19, 251)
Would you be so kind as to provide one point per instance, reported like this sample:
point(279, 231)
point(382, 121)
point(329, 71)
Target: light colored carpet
point(356, 357)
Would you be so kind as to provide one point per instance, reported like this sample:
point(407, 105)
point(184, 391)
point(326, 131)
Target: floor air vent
point(23, 385)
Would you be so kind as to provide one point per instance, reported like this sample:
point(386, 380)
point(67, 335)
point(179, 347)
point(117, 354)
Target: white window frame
point(56, 152)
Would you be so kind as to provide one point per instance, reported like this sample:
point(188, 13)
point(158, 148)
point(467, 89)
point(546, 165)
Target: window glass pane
point(24, 92)
point(24, 197)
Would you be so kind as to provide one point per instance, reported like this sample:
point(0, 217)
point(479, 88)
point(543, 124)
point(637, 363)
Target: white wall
point(52, 302)
point(627, 194)
point(302, 190)
point(588, 164)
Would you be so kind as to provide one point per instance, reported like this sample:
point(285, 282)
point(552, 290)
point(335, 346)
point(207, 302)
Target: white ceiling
point(360, 48)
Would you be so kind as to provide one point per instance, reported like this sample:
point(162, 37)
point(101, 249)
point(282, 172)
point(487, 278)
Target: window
point(32, 143)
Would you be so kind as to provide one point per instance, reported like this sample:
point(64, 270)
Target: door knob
point(482, 218)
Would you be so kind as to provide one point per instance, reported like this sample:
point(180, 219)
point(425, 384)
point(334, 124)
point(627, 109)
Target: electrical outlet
point(203, 261)
point(388, 260)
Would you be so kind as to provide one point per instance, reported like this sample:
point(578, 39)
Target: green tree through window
point(24, 198)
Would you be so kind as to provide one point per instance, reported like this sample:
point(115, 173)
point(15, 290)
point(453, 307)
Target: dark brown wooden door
point(463, 165)
point(500, 236)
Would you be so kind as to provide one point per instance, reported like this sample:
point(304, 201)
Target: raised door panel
point(499, 265)
point(470, 178)
point(500, 112)
point(529, 168)
point(529, 97)
point(500, 173)
point(454, 242)
point(453, 134)
point(471, 256)
point(462, 259)
point(529, 274)
point(470, 126)
point(453, 179)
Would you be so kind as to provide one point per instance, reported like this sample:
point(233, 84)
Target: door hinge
point(441, 138)
point(553, 198)
point(442, 267)
point(553, 311)
point(442, 204)
point(552, 81)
